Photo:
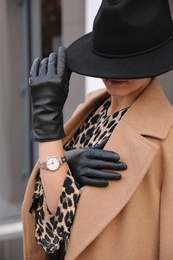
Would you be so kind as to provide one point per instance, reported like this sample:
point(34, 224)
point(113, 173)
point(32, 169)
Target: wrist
point(50, 148)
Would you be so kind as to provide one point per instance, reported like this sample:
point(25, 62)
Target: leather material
point(94, 166)
point(49, 81)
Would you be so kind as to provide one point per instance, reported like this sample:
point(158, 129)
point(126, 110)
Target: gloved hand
point(92, 166)
point(49, 81)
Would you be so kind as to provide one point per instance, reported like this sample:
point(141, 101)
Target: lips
point(116, 83)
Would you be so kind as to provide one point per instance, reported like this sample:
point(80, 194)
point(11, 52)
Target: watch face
point(52, 163)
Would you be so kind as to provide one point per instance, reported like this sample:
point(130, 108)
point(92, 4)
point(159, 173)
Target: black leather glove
point(49, 81)
point(92, 166)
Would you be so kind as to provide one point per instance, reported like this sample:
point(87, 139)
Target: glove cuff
point(49, 134)
point(45, 138)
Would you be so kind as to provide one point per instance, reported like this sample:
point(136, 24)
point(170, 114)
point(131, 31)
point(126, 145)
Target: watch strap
point(62, 160)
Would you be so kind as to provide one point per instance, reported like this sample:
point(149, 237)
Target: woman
point(131, 43)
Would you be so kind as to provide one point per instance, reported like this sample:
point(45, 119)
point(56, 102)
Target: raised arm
point(49, 82)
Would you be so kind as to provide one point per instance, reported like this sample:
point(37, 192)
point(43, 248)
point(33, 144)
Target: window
point(51, 26)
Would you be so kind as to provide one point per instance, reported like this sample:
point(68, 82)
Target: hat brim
point(82, 60)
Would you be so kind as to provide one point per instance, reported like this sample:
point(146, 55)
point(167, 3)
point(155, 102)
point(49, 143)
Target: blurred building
point(30, 29)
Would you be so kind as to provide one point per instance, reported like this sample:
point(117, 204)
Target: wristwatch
point(52, 163)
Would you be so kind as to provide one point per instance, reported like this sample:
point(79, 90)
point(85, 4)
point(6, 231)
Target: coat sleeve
point(166, 215)
point(32, 251)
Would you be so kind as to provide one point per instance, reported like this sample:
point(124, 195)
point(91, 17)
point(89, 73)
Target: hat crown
point(131, 27)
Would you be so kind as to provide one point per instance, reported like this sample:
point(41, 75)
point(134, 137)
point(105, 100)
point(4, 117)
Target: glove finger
point(61, 69)
point(52, 64)
point(93, 182)
point(43, 66)
point(102, 144)
point(109, 165)
point(105, 175)
point(102, 155)
point(121, 166)
point(35, 68)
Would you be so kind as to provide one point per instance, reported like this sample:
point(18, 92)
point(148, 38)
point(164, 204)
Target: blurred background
point(30, 29)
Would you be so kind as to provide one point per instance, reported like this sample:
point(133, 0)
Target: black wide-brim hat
point(130, 39)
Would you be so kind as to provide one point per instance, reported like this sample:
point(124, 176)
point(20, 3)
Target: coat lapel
point(99, 206)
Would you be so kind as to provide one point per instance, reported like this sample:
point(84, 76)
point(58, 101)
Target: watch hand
point(50, 163)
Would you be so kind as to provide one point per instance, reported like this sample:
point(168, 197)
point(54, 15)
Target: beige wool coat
point(132, 218)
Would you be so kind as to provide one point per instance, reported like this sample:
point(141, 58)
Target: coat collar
point(143, 115)
point(145, 108)
point(99, 206)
